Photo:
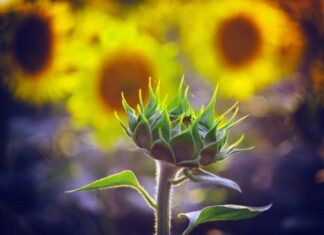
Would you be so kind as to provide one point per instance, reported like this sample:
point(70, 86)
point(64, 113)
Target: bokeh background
point(64, 64)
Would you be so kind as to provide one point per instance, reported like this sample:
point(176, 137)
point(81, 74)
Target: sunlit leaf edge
point(125, 178)
point(221, 213)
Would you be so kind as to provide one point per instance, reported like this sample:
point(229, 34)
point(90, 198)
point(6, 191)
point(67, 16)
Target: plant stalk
point(165, 173)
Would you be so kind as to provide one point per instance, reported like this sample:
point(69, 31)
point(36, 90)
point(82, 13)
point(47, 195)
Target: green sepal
point(196, 135)
point(155, 118)
point(140, 101)
point(232, 122)
point(126, 129)
point(183, 147)
point(207, 115)
point(131, 116)
point(176, 126)
point(221, 213)
point(175, 106)
point(234, 145)
point(221, 137)
point(142, 133)
point(161, 150)
point(239, 150)
point(185, 105)
point(210, 152)
point(153, 101)
point(163, 125)
point(221, 117)
point(125, 178)
point(211, 134)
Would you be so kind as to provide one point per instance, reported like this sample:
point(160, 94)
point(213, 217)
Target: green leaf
point(199, 175)
point(125, 178)
point(220, 213)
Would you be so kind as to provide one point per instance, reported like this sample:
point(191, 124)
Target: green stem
point(165, 173)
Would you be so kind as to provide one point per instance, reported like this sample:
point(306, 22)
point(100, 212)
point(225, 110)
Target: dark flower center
point(238, 40)
point(125, 72)
point(32, 44)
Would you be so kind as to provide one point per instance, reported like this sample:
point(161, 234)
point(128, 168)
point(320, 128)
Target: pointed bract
point(153, 101)
point(207, 116)
point(132, 119)
point(142, 134)
point(163, 125)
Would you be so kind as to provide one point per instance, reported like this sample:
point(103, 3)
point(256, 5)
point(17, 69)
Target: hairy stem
point(165, 173)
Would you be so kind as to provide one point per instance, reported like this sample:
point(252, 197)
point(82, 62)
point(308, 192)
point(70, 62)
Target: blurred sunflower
point(243, 46)
point(36, 55)
point(317, 74)
point(118, 59)
point(7, 2)
point(304, 11)
point(115, 8)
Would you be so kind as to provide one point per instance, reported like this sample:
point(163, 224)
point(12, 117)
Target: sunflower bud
point(174, 133)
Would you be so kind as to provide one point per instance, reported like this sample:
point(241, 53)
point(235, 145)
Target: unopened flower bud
point(174, 133)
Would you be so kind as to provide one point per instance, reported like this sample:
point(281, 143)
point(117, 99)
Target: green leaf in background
point(220, 213)
point(123, 179)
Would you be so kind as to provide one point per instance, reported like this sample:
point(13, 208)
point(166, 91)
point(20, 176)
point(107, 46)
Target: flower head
point(36, 59)
point(244, 48)
point(119, 59)
point(174, 133)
